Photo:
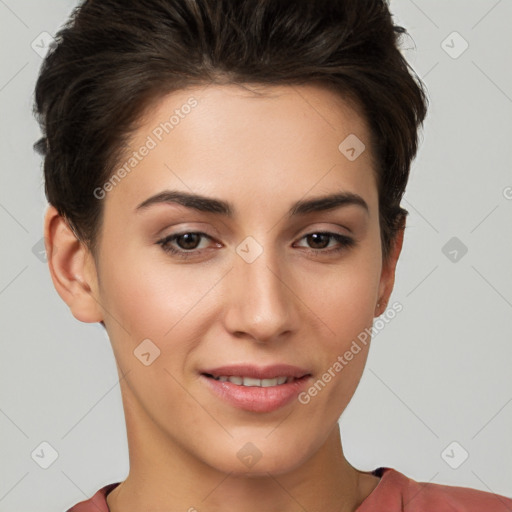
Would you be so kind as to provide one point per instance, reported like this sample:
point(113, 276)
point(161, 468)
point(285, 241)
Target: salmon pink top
point(394, 493)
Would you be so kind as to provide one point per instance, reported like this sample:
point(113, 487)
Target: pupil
point(188, 237)
point(318, 236)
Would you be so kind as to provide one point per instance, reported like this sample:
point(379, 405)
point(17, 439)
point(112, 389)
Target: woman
point(224, 180)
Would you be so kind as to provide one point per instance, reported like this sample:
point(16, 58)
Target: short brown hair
point(114, 57)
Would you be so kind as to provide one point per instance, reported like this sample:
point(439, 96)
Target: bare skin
point(289, 305)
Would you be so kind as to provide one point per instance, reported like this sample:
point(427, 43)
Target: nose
point(261, 303)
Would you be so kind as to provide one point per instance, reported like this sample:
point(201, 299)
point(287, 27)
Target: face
point(263, 276)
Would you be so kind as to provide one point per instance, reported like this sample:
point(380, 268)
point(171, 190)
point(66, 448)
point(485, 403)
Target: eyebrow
point(221, 207)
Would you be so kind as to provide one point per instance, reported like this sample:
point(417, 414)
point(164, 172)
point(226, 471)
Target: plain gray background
point(437, 386)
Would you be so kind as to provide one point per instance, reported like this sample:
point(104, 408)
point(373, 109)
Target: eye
point(188, 243)
point(320, 242)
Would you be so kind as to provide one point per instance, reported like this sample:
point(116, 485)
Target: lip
point(254, 398)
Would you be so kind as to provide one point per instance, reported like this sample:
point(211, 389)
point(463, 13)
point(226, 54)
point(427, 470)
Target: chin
point(256, 456)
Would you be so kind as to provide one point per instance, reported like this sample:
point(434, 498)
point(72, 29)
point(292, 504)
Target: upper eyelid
point(217, 233)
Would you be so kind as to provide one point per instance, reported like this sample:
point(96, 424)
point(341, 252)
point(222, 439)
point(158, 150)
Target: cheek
point(349, 315)
point(157, 300)
point(345, 299)
point(346, 306)
point(149, 295)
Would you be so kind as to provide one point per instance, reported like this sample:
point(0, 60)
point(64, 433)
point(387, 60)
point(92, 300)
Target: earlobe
point(71, 268)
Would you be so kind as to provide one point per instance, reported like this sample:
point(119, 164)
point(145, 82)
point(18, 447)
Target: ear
point(72, 268)
point(387, 279)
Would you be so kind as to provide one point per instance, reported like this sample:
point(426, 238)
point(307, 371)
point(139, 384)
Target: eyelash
point(344, 241)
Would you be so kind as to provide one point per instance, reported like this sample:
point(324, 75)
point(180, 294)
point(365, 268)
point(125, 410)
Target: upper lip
point(257, 372)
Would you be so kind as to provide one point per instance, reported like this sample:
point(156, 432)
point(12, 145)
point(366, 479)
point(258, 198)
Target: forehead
point(260, 138)
point(314, 106)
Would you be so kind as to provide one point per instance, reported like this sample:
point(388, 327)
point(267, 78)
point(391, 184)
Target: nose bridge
point(261, 303)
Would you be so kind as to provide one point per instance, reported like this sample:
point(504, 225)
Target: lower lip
point(255, 398)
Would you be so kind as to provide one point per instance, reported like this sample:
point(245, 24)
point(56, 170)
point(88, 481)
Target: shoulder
point(97, 503)
point(396, 492)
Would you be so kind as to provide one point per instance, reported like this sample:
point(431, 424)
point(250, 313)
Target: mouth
point(251, 381)
point(256, 389)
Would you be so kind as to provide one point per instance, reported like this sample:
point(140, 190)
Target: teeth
point(250, 381)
